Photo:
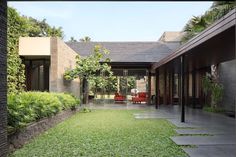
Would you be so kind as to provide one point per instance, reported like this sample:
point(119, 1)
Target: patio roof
point(214, 45)
point(136, 52)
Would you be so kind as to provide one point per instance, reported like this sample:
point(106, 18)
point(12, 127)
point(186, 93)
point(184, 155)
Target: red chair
point(119, 97)
point(141, 97)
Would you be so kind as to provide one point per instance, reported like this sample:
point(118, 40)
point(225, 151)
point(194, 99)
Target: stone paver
point(201, 131)
point(205, 140)
point(222, 129)
point(212, 151)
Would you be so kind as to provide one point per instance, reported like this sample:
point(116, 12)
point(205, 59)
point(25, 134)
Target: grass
point(105, 133)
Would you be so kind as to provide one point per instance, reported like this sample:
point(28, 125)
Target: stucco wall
point(227, 75)
point(34, 46)
point(62, 58)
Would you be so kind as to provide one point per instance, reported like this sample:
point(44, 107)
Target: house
point(158, 63)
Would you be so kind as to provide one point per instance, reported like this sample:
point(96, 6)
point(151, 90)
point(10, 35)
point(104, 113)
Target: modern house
point(172, 71)
point(46, 60)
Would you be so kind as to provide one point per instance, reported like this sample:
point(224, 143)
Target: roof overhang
point(227, 22)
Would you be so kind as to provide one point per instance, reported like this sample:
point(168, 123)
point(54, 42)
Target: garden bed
point(21, 137)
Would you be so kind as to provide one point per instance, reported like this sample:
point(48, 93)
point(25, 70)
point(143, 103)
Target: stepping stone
point(177, 123)
point(199, 131)
point(214, 150)
point(205, 140)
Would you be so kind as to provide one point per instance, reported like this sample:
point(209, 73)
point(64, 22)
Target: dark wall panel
point(3, 91)
point(227, 75)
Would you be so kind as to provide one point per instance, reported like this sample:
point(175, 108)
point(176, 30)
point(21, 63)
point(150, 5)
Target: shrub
point(27, 107)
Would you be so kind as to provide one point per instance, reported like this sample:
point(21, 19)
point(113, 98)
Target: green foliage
point(22, 26)
point(213, 88)
point(85, 110)
point(104, 133)
point(206, 84)
point(16, 27)
point(214, 110)
point(199, 23)
point(90, 66)
point(216, 93)
point(85, 39)
point(27, 107)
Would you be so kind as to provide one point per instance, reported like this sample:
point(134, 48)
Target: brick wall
point(3, 91)
point(62, 58)
point(227, 75)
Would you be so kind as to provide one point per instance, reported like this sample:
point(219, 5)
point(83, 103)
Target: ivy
point(22, 26)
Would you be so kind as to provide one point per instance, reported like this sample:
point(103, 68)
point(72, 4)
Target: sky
point(114, 21)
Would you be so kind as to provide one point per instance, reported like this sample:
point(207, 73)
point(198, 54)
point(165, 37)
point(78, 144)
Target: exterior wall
point(62, 59)
point(227, 74)
point(3, 80)
point(34, 46)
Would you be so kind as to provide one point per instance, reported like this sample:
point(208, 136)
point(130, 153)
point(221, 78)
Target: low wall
point(18, 139)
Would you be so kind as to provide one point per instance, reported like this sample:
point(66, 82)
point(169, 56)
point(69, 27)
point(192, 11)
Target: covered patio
point(181, 72)
point(209, 134)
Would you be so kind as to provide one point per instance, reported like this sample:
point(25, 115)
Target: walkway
point(212, 134)
point(128, 106)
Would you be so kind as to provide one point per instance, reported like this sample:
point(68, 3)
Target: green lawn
point(105, 133)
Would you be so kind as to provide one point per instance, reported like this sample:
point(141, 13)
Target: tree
point(199, 23)
point(72, 39)
point(89, 67)
point(85, 39)
point(22, 26)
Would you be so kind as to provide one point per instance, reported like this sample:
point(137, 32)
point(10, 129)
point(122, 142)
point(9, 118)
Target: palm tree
point(72, 39)
point(85, 39)
point(198, 23)
point(194, 26)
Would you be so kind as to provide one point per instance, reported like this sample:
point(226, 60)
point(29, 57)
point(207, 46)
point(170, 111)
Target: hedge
point(27, 107)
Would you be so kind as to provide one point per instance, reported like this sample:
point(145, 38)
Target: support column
point(170, 87)
point(149, 87)
point(187, 88)
point(182, 88)
point(157, 89)
point(164, 93)
point(3, 78)
point(194, 88)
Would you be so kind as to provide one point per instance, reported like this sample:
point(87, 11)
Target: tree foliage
point(89, 68)
point(212, 88)
point(22, 26)
point(199, 23)
point(85, 39)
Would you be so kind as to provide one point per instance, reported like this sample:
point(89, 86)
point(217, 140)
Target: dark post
point(157, 88)
point(165, 91)
point(3, 78)
point(194, 88)
point(182, 88)
point(149, 87)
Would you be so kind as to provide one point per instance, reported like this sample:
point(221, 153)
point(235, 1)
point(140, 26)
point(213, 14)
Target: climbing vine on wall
point(22, 26)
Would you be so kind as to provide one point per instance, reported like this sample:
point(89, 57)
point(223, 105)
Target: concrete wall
point(62, 58)
point(3, 78)
point(227, 75)
point(34, 46)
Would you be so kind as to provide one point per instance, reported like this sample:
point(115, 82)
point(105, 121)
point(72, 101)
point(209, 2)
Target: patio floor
point(212, 134)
